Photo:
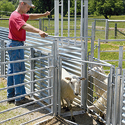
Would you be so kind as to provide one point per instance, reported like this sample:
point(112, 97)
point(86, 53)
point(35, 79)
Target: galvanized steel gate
point(42, 59)
point(39, 81)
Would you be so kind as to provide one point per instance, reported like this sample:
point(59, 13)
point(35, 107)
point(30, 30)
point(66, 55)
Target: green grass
point(48, 26)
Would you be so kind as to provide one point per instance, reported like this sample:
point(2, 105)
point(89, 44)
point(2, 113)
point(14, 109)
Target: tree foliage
point(106, 7)
point(6, 6)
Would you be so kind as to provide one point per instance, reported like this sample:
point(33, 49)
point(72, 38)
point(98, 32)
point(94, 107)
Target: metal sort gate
point(39, 81)
point(99, 95)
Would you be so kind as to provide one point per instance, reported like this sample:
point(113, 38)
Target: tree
point(6, 7)
point(106, 7)
point(42, 6)
point(47, 5)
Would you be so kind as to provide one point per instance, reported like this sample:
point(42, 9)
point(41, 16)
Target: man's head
point(24, 6)
point(29, 2)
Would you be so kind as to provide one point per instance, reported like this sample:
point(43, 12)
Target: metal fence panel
point(119, 51)
point(39, 75)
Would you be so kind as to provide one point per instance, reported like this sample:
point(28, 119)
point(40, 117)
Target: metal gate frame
point(51, 80)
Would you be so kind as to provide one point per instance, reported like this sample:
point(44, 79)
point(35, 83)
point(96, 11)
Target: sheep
point(101, 81)
point(70, 88)
point(99, 105)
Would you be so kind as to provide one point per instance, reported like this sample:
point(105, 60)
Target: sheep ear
point(82, 78)
point(67, 78)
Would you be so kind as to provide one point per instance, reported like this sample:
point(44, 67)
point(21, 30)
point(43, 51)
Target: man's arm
point(30, 28)
point(35, 16)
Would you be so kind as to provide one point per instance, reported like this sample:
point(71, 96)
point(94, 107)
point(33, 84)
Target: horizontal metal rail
point(25, 72)
point(26, 104)
point(26, 94)
point(83, 61)
point(26, 113)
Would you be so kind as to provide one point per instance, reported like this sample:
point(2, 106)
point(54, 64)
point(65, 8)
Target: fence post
point(117, 88)
point(91, 59)
point(113, 91)
point(121, 97)
point(59, 84)
point(84, 74)
point(92, 42)
point(40, 24)
point(120, 67)
point(2, 57)
point(120, 58)
point(116, 98)
point(94, 28)
point(31, 68)
point(98, 48)
point(84, 57)
point(56, 20)
point(115, 30)
point(109, 97)
point(106, 29)
point(55, 78)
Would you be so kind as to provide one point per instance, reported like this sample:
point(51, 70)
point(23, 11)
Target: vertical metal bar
point(90, 85)
point(2, 57)
point(115, 30)
point(75, 18)
point(106, 29)
point(120, 58)
point(32, 67)
point(53, 82)
point(86, 18)
point(68, 18)
point(98, 48)
point(116, 96)
point(119, 81)
point(49, 80)
point(55, 53)
point(94, 28)
point(52, 74)
point(121, 96)
point(43, 24)
point(56, 19)
point(113, 91)
point(109, 97)
point(92, 42)
point(61, 17)
point(40, 24)
point(81, 28)
point(84, 57)
point(59, 85)
point(83, 83)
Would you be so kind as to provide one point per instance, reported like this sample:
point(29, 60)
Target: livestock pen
point(44, 58)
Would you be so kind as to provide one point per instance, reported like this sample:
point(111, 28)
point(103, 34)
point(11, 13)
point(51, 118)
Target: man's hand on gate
point(43, 34)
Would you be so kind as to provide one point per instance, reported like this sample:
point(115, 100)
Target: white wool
point(102, 101)
point(69, 88)
point(99, 80)
point(67, 91)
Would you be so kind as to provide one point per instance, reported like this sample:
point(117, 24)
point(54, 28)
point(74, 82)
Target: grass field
point(48, 26)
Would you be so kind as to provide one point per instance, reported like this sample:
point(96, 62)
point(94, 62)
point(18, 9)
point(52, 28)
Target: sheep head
point(94, 71)
point(75, 83)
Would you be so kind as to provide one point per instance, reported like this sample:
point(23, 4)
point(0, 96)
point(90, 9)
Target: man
point(17, 36)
